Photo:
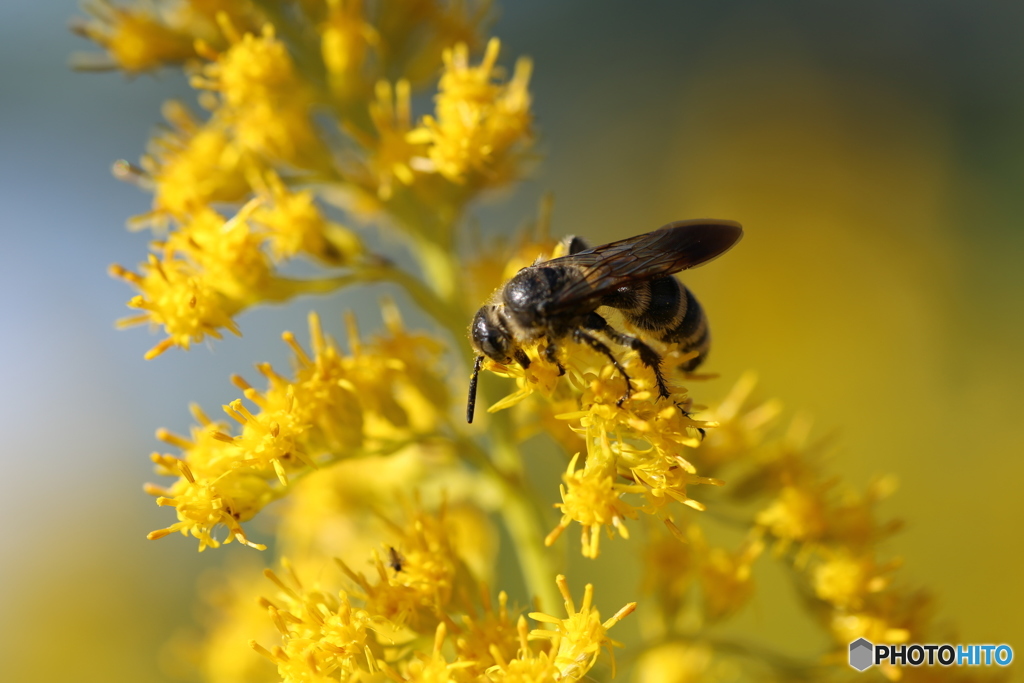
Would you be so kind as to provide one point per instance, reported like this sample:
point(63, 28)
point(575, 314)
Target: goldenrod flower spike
point(334, 407)
point(307, 109)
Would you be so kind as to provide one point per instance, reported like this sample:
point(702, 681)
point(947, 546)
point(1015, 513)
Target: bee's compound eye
point(489, 336)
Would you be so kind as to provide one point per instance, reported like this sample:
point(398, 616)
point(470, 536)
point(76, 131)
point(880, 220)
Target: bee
point(559, 299)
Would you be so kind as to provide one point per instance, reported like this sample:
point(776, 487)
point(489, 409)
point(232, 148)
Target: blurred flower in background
point(872, 152)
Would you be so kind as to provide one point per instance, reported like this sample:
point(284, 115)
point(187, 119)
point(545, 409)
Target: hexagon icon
point(860, 654)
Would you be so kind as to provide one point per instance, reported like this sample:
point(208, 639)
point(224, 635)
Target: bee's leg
point(549, 355)
point(520, 357)
point(582, 337)
point(648, 356)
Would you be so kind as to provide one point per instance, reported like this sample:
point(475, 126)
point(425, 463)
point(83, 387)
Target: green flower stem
point(522, 517)
point(439, 268)
point(283, 289)
point(522, 521)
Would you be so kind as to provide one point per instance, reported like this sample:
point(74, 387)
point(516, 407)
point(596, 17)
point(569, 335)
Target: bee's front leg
point(648, 356)
point(582, 337)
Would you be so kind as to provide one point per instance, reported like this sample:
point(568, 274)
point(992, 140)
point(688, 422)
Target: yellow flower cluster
point(479, 123)
point(827, 537)
point(376, 400)
point(210, 268)
point(135, 38)
point(836, 536)
point(409, 621)
point(262, 99)
point(267, 142)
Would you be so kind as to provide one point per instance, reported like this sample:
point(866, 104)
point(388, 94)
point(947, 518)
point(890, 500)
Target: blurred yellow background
point(874, 152)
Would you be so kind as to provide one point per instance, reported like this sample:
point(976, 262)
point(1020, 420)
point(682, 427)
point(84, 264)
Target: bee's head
point(490, 335)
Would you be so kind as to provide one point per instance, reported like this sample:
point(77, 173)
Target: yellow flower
point(796, 515)
point(726, 578)
point(263, 98)
point(322, 633)
point(384, 623)
point(845, 580)
point(539, 669)
point(320, 397)
point(252, 69)
point(203, 504)
point(310, 103)
point(343, 510)
point(335, 511)
point(271, 439)
point(210, 451)
point(423, 588)
point(227, 251)
point(210, 269)
point(479, 637)
point(541, 376)
point(578, 639)
point(527, 666)
point(887, 617)
point(399, 381)
point(192, 165)
point(433, 668)
point(136, 38)
point(810, 512)
point(591, 497)
point(176, 295)
point(293, 224)
point(481, 127)
point(391, 154)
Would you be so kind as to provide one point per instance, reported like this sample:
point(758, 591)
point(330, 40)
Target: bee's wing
point(674, 247)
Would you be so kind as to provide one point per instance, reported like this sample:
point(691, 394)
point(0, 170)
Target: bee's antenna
point(471, 404)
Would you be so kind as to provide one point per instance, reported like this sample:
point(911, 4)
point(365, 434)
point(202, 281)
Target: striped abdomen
point(667, 309)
